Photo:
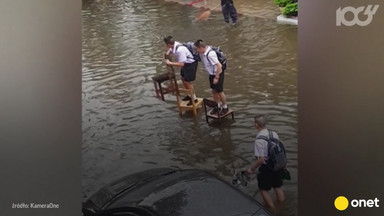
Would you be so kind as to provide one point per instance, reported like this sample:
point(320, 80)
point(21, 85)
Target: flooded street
point(126, 129)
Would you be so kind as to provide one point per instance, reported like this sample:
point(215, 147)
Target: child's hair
point(169, 40)
point(261, 120)
point(200, 44)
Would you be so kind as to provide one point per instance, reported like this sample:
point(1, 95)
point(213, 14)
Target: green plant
point(282, 3)
point(291, 9)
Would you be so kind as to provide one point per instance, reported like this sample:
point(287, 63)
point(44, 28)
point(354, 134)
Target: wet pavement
point(126, 129)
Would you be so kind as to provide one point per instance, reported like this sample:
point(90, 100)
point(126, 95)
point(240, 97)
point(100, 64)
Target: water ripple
point(126, 129)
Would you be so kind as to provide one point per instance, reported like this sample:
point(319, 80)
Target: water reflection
point(126, 129)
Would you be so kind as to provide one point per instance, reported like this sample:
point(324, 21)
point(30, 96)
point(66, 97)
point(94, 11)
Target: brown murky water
point(126, 129)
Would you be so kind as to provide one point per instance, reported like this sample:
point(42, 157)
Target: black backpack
point(190, 47)
point(220, 56)
point(277, 158)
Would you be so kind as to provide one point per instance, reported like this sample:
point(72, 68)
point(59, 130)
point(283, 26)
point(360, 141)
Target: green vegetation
point(282, 3)
point(290, 9)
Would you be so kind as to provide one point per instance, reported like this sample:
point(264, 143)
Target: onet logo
point(342, 203)
point(370, 10)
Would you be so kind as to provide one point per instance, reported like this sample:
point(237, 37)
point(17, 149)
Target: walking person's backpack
point(277, 158)
point(190, 47)
point(220, 56)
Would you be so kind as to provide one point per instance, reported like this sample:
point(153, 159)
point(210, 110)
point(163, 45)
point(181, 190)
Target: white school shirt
point(210, 65)
point(182, 53)
point(261, 146)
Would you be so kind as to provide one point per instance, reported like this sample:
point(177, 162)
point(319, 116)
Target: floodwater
point(127, 129)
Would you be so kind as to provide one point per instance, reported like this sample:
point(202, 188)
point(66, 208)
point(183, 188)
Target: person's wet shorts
point(268, 179)
point(188, 71)
point(218, 87)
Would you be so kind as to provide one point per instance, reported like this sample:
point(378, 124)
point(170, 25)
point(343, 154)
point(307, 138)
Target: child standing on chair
point(187, 63)
point(216, 76)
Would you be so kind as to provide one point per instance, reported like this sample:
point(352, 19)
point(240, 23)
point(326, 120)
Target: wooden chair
point(162, 90)
point(174, 88)
point(213, 104)
point(168, 76)
point(183, 105)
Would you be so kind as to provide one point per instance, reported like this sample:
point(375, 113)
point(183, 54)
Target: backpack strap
point(267, 139)
point(181, 44)
point(276, 140)
point(263, 138)
point(213, 65)
point(177, 47)
point(208, 55)
point(270, 134)
point(270, 138)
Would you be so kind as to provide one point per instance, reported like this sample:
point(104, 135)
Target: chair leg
point(194, 110)
point(233, 117)
point(180, 110)
point(156, 89)
point(205, 111)
point(161, 92)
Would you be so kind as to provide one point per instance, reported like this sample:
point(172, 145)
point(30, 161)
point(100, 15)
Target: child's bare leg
point(267, 198)
point(279, 194)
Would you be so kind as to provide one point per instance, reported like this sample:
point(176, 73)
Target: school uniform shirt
point(261, 146)
point(182, 53)
point(210, 61)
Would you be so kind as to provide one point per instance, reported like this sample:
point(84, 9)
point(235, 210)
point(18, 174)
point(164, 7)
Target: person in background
point(229, 11)
point(266, 177)
point(216, 76)
point(186, 61)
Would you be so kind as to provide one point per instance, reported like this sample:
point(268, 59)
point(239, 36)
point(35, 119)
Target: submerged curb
point(286, 20)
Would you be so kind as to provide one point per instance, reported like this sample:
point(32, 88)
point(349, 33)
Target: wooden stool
point(183, 105)
point(213, 104)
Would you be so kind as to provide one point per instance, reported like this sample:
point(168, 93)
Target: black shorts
point(268, 179)
point(188, 71)
point(218, 87)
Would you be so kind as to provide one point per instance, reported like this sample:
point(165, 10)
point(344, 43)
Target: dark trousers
point(229, 10)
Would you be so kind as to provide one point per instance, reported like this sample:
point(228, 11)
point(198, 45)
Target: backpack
point(190, 47)
point(277, 158)
point(220, 56)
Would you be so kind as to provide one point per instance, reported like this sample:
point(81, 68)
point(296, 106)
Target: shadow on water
point(126, 129)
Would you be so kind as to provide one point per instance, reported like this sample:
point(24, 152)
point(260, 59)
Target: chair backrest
point(209, 103)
